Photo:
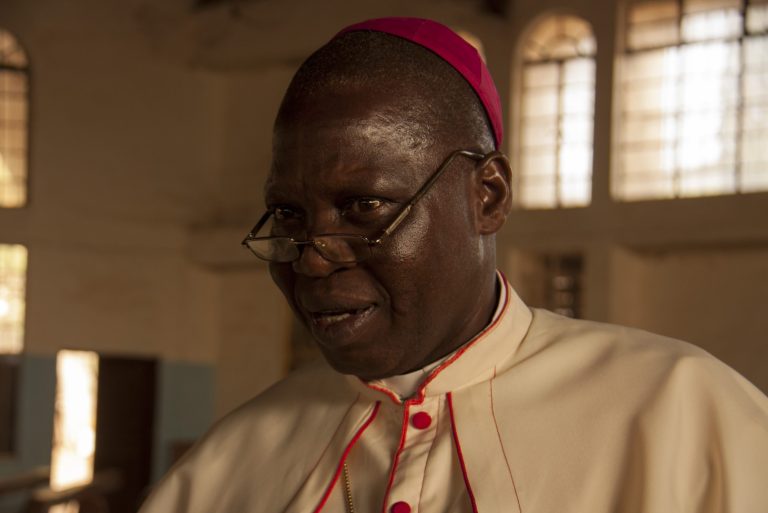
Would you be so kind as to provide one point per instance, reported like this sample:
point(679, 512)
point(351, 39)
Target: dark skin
point(340, 166)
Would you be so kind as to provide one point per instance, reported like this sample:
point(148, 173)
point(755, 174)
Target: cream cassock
point(538, 413)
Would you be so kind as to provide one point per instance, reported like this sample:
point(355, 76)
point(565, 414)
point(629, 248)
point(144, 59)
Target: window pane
point(754, 148)
point(754, 176)
point(13, 108)
point(755, 118)
point(540, 162)
point(711, 25)
point(707, 182)
point(579, 71)
point(756, 54)
point(719, 123)
point(639, 186)
point(651, 65)
point(541, 75)
point(578, 99)
point(541, 132)
point(575, 174)
point(756, 87)
point(649, 128)
point(651, 99)
point(652, 24)
point(13, 84)
point(575, 161)
point(757, 18)
point(540, 102)
point(576, 193)
point(650, 159)
point(13, 276)
point(538, 191)
point(576, 129)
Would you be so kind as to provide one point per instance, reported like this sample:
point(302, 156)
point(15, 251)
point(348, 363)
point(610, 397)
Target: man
point(447, 393)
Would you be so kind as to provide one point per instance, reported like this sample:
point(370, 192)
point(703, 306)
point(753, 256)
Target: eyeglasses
point(341, 248)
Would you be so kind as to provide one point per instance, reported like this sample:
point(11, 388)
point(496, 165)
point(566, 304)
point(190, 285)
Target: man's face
point(348, 166)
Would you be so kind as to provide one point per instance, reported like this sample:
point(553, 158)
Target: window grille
point(13, 275)
point(694, 86)
point(14, 78)
point(554, 167)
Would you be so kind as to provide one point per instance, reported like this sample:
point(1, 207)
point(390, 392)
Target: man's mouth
point(327, 318)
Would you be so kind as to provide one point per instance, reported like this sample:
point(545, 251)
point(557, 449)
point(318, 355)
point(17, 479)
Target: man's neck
point(405, 385)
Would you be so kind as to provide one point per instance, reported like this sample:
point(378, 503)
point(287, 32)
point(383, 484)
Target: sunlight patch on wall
point(13, 277)
point(74, 437)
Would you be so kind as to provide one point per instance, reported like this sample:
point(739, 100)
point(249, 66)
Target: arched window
point(554, 164)
point(694, 104)
point(14, 76)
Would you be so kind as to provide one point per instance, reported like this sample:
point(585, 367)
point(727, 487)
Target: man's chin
point(366, 365)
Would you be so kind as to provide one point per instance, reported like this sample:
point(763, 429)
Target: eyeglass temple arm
point(258, 226)
point(423, 190)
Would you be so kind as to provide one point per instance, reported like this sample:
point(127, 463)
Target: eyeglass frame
point(391, 227)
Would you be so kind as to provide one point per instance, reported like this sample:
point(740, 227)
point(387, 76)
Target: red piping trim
point(422, 389)
point(395, 398)
point(459, 453)
point(396, 459)
point(340, 466)
point(503, 452)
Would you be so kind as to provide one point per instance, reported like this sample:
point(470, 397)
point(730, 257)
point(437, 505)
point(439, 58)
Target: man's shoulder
point(302, 393)
point(306, 397)
point(550, 330)
point(629, 356)
point(275, 437)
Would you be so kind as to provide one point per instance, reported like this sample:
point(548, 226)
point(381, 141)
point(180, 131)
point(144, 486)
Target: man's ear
point(492, 187)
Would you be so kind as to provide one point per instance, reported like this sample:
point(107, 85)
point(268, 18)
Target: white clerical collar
point(405, 385)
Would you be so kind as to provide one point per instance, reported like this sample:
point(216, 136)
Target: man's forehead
point(362, 147)
point(351, 144)
point(374, 115)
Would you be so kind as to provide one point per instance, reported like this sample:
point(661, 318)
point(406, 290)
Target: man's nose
point(312, 263)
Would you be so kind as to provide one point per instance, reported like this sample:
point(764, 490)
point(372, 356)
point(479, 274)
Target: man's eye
point(285, 213)
point(363, 205)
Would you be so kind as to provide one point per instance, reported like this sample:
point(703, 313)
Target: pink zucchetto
point(450, 47)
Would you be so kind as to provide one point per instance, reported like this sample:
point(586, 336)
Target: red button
point(421, 420)
point(400, 507)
